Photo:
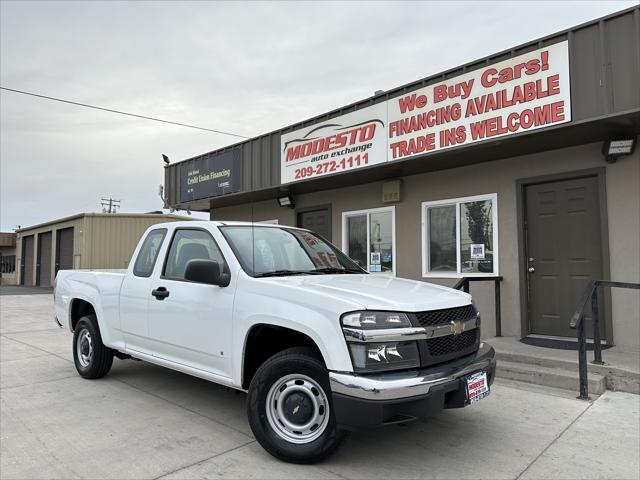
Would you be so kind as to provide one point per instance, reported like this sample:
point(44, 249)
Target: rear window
point(149, 253)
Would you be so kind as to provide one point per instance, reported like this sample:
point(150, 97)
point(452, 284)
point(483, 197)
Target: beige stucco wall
point(623, 200)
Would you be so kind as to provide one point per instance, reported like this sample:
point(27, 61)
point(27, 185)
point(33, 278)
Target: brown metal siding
point(604, 58)
point(622, 54)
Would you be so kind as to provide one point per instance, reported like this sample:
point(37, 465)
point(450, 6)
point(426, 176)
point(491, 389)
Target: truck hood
point(378, 292)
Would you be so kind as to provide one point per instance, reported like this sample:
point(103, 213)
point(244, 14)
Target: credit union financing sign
point(210, 176)
point(523, 93)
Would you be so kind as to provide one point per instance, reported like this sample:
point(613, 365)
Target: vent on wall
point(391, 191)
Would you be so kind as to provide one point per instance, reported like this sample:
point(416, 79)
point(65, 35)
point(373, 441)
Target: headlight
point(380, 341)
point(375, 357)
point(375, 320)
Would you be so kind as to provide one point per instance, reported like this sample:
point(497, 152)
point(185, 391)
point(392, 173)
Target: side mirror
point(206, 271)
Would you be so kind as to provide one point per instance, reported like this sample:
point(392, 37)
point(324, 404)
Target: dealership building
point(519, 169)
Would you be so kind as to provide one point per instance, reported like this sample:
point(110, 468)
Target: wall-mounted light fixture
point(614, 148)
point(286, 201)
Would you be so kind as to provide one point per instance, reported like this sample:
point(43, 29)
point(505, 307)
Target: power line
point(110, 205)
point(120, 112)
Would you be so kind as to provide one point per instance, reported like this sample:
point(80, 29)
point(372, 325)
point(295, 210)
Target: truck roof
point(219, 223)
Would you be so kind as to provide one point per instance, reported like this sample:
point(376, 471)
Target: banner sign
point(210, 176)
point(520, 94)
point(345, 143)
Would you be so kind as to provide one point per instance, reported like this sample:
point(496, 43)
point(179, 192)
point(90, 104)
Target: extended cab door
point(190, 323)
point(136, 293)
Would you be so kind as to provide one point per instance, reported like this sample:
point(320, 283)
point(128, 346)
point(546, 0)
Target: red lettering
point(439, 93)
point(545, 60)
point(410, 102)
point(486, 79)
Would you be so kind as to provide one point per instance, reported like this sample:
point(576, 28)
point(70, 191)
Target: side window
point(190, 245)
point(149, 253)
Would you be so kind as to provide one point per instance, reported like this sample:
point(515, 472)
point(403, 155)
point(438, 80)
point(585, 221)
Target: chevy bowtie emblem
point(457, 327)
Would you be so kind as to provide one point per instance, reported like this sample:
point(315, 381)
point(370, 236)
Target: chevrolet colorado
point(320, 345)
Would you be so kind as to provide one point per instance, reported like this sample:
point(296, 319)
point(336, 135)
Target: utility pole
point(110, 205)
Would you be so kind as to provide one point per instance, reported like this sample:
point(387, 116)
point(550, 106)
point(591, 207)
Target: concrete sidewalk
point(143, 421)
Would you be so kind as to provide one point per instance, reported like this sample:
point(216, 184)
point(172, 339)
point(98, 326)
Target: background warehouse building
point(520, 167)
point(7, 258)
point(86, 240)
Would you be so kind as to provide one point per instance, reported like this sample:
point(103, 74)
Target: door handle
point(531, 269)
point(160, 293)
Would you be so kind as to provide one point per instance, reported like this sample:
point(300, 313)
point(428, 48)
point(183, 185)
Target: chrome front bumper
point(401, 385)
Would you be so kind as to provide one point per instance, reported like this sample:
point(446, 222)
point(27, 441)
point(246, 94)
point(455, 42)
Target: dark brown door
point(318, 221)
point(64, 249)
point(43, 266)
point(27, 261)
point(563, 251)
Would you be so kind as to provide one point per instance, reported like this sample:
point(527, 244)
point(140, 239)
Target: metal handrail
point(463, 284)
point(591, 291)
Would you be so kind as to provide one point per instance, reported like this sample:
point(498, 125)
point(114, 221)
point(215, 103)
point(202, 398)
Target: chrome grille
point(447, 315)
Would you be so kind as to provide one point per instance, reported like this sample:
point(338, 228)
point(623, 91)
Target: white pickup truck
point(321, 346)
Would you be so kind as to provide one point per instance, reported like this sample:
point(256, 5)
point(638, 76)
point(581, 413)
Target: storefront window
point(357, 239)
point(460, 237)
point(369, 239)
point(442, 239)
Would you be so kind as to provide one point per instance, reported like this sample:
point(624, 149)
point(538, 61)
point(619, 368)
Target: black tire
point(98, 363)
point(293, 361)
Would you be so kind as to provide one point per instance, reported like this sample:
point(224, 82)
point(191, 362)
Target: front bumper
point(372, 400)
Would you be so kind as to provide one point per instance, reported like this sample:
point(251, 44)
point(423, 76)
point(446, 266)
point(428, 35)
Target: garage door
point(64, 249)
point(44, 259)
point(27, 261)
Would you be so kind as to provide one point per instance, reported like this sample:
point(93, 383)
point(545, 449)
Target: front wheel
point(290, 409)
point(91, 357)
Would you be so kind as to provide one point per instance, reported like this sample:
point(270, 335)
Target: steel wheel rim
point(84, 348)
point(281, 421)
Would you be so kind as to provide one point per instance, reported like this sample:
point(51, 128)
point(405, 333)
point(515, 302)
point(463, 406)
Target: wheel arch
point(263, 340)
point(79, 308)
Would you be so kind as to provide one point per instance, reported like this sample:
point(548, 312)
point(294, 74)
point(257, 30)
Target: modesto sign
point(520, 94)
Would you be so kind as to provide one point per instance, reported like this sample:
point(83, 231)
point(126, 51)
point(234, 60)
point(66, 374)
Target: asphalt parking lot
point(143, 421)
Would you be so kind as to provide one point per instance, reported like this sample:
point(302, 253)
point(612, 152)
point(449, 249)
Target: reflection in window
point(357, 239)
point(460, 236)
point(442, 239)
point(381, 242)
point(369, 239)
point(476, 237)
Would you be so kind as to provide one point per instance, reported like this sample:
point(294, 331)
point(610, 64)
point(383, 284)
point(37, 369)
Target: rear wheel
point(290, 409)
point(91, 357)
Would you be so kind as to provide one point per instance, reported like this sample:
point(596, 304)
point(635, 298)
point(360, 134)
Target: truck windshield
point(274, 251)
